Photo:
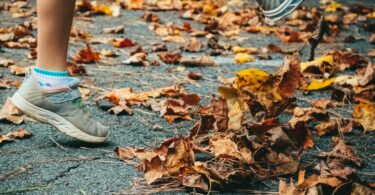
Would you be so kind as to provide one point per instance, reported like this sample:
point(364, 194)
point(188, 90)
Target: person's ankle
point(48, 80)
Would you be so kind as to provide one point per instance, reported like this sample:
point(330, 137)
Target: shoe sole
point(57, 121)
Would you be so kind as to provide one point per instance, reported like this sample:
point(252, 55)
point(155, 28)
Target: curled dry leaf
point(17, 70)
point(195, 76)
point(306, 115)
point(76, 70)
point(18, 134)
point(320, 84)
point(123, 42)
point(170, 58)
point(11, 113)
point(113, 30)
point(134, 4)
point(319, 64)
point(241, 58)
point(6, 62)
point(248, 50)
point(87, 55)
point(364, 114)
point(193, 45)
point(174, 39)
point(198, 61)
point(138, 59)
point(291, 77)
point(150, 17)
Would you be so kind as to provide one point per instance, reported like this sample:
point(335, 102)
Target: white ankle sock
point(53, 80)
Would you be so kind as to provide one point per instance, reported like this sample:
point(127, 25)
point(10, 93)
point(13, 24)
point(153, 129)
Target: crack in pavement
point(64, 173)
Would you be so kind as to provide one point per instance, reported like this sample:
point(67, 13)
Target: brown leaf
point(291, 77)
point(195, 76)
point(344, 152)
point(224, 147)
point(76, 70)
point(174, 39)
point(138, 59)
point(17, 70)
point(11, 113)
point(198, 61)
point(150, 17)
point(113, 30)
point(123, 42)
point(195, 181)
point(306, 115)
point(371, 53)
point(125, 153)
point(180, 154)
point(369, 74)
point(87, 55)
point(6, 62)
point(134, 4)
point(364, 114)
point(170, 58)
point(193, 45)
point(18, 134)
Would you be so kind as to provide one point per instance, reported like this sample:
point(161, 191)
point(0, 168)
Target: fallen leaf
point(113, 30)
point(291, 77)
point(364, 114)
point(195, 181)
point(6, 62)
point(11, 113)
point(123, 42)
point(18, 134)
point(138, 59)
point(242, 58)
point(198, 61)
point(195, 76)
point(125, 153)
point(318, 63)
point(248, 50)
point(320, 84)
point(17, 70)
point(76, 70)
point(134, 4)
point(87, 55)
point(193, 45)
point(175, 39)
point(170, 58)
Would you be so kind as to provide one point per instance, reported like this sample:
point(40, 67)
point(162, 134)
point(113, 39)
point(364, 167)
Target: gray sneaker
point(274, 10)
point(62, 109)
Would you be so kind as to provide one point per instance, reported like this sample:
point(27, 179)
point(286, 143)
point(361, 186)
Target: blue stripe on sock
point(51, 73)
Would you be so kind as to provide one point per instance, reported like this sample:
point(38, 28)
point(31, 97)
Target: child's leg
point(54, 22)
point(49, 95)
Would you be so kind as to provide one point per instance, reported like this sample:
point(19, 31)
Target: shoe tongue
point(74, 83)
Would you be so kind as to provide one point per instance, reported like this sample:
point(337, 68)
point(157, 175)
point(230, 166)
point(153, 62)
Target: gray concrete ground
point(38, 166)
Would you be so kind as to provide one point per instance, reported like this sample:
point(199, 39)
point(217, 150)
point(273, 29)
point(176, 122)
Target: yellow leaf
point(371, 15)
point(252, 78)
point(260, 84)
point(317, 62)
point(320, 84)
point(249, 50)
point(332, 6)
point(364, 113)
point(241, 58)
point(235, 114)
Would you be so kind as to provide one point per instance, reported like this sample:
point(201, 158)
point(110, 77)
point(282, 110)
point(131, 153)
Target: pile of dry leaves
point(239, 138)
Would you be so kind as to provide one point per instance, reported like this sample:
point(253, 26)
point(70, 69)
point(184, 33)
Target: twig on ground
point(15, 172)
point(58, 145)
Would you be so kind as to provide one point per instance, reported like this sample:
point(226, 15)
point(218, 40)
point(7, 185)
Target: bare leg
point(54, 23)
